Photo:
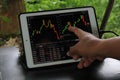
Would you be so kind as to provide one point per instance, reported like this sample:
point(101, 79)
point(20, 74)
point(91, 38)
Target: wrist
point(100, 49)
point(103, 48)
point(109, 48)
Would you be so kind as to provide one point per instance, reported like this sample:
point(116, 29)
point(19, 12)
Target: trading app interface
point(49, 35)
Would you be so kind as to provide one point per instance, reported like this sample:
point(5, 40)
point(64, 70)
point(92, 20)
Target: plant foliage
point(99, 5)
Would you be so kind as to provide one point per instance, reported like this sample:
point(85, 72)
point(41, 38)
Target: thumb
point(74, 50)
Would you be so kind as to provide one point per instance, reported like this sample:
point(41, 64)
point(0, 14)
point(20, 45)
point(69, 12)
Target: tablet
point(46, 37)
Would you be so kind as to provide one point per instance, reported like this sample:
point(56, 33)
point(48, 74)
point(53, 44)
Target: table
point(11, 69)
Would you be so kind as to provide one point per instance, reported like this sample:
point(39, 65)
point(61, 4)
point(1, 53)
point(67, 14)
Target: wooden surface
point(14, 8)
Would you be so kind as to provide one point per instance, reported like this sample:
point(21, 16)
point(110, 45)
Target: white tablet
point(46, 37)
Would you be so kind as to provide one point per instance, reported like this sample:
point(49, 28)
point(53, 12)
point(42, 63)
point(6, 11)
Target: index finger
point(78, 32)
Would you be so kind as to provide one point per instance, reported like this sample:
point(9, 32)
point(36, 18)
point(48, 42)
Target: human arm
point(110, 48)
point(91, 47)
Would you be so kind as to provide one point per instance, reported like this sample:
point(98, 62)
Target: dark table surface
point(11, 69)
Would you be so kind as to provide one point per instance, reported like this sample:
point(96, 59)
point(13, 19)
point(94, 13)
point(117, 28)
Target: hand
point(86, 47)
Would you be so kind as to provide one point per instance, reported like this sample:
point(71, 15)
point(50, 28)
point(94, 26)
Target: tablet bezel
point(26, 36)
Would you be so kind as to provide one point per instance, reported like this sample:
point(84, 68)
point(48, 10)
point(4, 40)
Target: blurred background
point(10, 10)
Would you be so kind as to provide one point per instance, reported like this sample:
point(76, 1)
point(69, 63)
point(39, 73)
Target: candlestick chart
point(46, 25)
point(80, 18)
point(49, 34)
point(53, 28)
point(59, 30)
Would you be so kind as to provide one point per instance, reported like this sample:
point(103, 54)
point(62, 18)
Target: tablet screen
point(46, 37)
point(49, 35)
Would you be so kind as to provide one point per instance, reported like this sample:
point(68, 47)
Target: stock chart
point(55, 27)
point(49, 35)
